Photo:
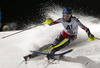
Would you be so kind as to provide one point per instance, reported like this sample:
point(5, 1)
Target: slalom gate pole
point(20, 31)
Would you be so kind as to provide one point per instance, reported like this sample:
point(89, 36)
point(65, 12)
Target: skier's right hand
point(48, 21)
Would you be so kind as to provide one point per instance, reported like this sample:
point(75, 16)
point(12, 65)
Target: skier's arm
point(56, 21)
point(86, 29)
point(51, 22)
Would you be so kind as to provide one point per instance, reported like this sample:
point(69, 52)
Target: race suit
point(70, 31)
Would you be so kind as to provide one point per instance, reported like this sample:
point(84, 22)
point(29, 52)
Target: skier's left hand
point(91, 36)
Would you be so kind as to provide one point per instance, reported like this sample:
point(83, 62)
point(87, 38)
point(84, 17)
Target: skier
point(70, 31)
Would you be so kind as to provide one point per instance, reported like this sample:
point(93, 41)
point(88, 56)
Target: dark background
point(24, 11)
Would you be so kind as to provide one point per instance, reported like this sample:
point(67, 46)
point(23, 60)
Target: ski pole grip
point(91, 39)
point(48, 21)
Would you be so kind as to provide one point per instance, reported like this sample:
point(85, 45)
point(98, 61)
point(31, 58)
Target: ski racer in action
point(70, 31)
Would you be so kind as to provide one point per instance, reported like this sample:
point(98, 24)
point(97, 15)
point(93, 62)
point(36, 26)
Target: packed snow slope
point(85, 55)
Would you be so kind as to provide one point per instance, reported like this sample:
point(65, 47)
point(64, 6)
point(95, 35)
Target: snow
point(85, 55)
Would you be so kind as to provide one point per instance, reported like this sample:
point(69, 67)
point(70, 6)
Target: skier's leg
point(63, 36)
point(59, 38)
point(39, 50)
point(69, 42)
point(71, 39)
point(44, 47)
point(57, 41)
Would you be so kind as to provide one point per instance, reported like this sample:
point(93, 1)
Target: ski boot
point(50, 56)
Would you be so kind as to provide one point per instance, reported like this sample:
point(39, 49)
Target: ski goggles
point(66, 16)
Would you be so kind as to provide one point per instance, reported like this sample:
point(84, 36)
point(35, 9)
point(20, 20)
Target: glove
point(91, 36)
point(48, 21)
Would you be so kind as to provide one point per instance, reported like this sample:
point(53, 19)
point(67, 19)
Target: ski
point(47, 54)
point(68, 51)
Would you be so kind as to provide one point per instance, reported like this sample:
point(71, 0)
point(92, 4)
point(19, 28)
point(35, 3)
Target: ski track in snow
point(85, 55)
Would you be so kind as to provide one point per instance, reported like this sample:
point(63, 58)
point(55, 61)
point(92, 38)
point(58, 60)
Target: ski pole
point(20, 31)
point(98, 38)
point(48, 21)
point(92, 39)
